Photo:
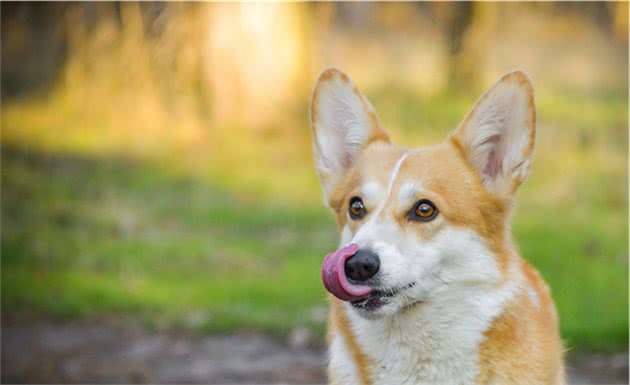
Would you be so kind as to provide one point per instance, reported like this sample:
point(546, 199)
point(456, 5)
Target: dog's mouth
point(361, 296)
point(335, 280)
point(380, 297)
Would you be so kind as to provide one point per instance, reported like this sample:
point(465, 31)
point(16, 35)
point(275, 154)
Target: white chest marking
point(340, 363)
point(434, 343)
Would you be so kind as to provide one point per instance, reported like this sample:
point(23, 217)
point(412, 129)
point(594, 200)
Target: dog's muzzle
point(337, 265)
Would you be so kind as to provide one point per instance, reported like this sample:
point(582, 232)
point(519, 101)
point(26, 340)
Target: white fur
point(533, 296)
point(342, 127)
point(435, 341)
point(346, 235)
point(392, 177)
point(340, 363)
point(374, 216)
point(371, 193)
point(430, 333)
point(409, 190)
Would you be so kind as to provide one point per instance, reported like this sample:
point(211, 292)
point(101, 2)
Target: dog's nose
point(362, 265)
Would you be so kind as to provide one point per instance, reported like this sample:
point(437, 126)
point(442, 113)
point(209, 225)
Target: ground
point(99, 352)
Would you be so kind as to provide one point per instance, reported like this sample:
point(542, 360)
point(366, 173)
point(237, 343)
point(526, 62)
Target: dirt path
point(81, 352)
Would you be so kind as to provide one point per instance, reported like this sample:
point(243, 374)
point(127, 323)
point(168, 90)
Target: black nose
point(362, 265)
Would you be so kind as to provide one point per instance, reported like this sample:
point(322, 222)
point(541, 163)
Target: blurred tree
point(459, 17)
point(247, 91)
point(619, 15)
point(33, 47)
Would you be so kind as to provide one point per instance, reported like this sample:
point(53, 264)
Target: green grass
point(87, 236)
point(95, 236)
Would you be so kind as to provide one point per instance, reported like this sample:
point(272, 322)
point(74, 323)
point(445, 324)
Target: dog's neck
point(436, 342)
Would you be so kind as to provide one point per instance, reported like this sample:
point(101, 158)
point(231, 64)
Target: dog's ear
point(497, 136)
point(343, 123)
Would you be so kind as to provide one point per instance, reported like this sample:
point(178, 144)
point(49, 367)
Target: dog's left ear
point(343, 123)
point(497, 136)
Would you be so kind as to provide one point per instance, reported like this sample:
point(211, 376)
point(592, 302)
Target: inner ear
point(497, 136)
point(343, 122)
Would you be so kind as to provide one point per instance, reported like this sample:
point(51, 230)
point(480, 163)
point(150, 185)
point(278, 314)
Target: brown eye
point(424, 211)
point(356, 210)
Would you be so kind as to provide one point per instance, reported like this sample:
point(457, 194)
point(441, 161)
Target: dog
point(428, 286)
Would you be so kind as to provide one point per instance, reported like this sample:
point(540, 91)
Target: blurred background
point(161, 218)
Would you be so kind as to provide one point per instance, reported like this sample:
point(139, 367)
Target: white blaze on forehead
point(390, 185)
point(370, 225)
point(392, 178)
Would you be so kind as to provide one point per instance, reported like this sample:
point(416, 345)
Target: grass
point(133, 195)
point(87, 236)
point(105, 213)
point(111, 236)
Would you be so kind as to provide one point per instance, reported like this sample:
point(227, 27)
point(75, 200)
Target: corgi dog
point(428, 286)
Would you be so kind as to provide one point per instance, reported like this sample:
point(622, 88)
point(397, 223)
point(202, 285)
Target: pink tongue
point(334, 276)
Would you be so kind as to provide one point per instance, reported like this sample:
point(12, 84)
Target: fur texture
point(468, 308)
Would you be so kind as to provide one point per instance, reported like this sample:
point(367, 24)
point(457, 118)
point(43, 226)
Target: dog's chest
point(406, 362)
point(423, 354)
point(437, 346)
point(406, 367)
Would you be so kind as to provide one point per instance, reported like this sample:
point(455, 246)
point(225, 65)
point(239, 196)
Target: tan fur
point(458, 192)
point(375, 163)
point(339, 323)
point(522, 345)
point(451, 183)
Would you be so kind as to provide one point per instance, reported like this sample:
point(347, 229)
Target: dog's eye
point(356, 210)
point(424, 211)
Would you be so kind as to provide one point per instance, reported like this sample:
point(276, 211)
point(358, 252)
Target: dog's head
point(417, 223)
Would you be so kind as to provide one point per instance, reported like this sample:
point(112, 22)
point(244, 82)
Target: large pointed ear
point(497, 136)
point(343, 123)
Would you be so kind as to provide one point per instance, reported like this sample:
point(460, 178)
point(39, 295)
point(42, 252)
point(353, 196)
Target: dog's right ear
point(343, 123)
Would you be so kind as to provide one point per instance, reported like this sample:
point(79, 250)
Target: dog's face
point(418, 224)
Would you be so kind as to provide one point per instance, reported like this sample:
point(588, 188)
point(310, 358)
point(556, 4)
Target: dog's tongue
point(334, 276)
